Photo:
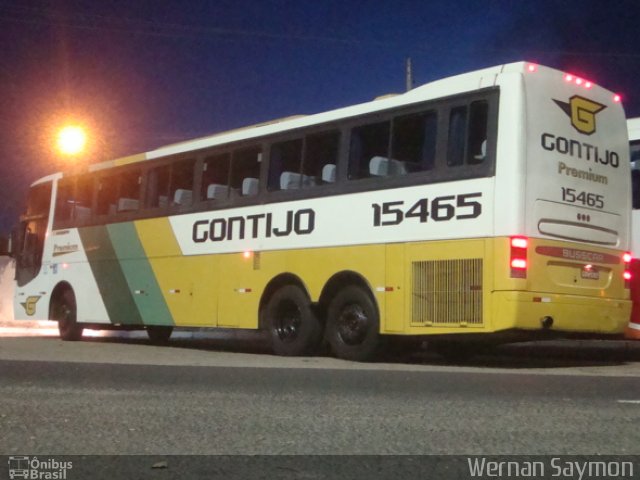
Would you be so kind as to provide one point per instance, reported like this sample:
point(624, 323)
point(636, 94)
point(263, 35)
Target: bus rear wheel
point(293, 325)
point(64, 312)
point(159, 334)
point(353, 325)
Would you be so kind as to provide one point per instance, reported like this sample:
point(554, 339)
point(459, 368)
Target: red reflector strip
point(542, 299)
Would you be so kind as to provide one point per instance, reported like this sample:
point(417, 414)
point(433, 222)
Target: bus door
point(30, 234)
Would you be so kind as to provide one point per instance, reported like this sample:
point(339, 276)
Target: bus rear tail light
point(626, 274)
point(518, 257)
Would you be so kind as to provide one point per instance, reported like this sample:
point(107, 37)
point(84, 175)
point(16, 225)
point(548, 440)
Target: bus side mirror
point(5, 245)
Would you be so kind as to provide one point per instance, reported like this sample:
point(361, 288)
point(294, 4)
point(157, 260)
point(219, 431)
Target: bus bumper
point(558, 312)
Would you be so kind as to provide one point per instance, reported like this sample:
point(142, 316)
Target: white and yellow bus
point(487, 204)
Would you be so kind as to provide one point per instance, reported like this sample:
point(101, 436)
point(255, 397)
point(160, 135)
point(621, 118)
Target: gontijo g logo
point(582, 112)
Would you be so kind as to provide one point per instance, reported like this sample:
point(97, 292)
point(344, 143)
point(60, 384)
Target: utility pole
point(409, 74)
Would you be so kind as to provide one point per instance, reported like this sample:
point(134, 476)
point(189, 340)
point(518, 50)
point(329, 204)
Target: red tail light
point(518, 257)
point(626, 259)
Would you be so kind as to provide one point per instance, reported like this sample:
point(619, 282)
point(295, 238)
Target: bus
point(633, 329)
point(491, 205)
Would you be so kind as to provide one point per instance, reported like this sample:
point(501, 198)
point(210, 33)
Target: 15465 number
point(438, 209)
point(585, 198)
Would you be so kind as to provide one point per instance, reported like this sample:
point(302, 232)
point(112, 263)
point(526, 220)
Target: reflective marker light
point(532, 67)
point(627, 257)
point(569, 78)
point(617, 98)
point(626, 275)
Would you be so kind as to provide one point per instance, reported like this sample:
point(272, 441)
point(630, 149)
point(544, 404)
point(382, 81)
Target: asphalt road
point(106, 396)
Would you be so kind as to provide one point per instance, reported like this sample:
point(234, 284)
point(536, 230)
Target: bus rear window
point(467, 143)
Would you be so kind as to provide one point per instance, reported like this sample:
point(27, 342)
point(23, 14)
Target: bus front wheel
point(64, 312)
point(293, 325)
point(353, 325)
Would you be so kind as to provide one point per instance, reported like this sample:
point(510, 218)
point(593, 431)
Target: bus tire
point(64, 311)
point(353, 325)
point(159, 334)
point(293, 325)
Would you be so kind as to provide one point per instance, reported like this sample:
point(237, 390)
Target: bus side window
point(158, 187)
point(215, 177)
point(414, 143)
point(181, 190)
point(284, 165)
point(245, 170)
point(320, 158)
point(457, 136)
point(129, 191)
point(107, 195)
point(369, 150)
point(64, 200)
point(83, 202)
point(477, 142)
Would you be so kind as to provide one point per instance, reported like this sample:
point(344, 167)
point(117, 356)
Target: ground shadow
point(530, 355)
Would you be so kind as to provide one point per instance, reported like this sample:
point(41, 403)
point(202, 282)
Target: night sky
point(143, 73)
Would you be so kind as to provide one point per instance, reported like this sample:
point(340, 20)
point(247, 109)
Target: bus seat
point(329, 173)
point(379, 166)
point(217, 191)
point(163, 201)
point(397, 167)
point(182, 197)
point(127, 205)
point(308, 180)
point(250, 186)
point(483, 152)
point(289, 180)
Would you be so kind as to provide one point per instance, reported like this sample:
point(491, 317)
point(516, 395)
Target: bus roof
point(465, 82)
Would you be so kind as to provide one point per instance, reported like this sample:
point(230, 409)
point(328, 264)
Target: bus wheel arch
point(63, 309)
point(352, 317)
point(287, 313)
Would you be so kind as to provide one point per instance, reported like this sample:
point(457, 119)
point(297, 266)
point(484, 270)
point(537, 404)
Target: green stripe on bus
point(139, 275)
point(113, 286)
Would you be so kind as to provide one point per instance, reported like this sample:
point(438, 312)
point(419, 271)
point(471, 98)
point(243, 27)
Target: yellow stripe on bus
point(179, 277)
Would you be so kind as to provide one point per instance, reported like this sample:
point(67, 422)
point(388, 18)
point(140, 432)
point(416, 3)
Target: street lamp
point(71, 140)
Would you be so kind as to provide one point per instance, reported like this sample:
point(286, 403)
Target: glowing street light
point(71, 140)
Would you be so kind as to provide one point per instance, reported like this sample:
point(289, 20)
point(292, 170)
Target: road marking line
point(637, 402)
